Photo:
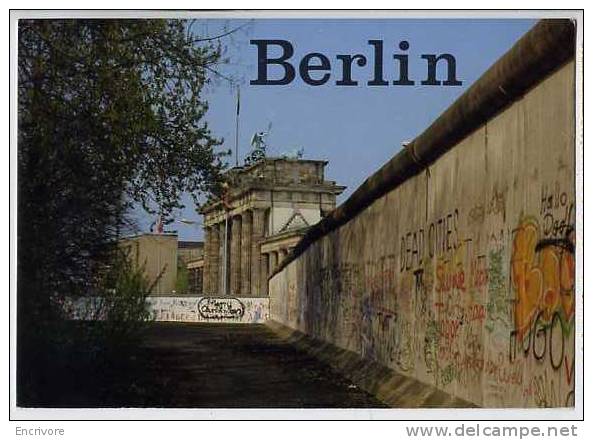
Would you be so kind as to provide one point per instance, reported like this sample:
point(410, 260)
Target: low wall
point(462, 274)
point(243, 310)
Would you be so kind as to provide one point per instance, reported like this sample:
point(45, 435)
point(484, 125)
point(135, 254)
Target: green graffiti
point(430, 346)
point(448, 375)
point(497, 307)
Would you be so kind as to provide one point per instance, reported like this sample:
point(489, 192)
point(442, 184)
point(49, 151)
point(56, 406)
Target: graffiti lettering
point(221, 308)
point(449, 278)
point(543, 277)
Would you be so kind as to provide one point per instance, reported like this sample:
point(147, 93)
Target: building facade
point(190, 262)
point(157, 255)
point(268, 207)
point(167, 261)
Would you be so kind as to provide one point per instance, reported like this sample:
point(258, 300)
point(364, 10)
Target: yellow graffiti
point(542, 276)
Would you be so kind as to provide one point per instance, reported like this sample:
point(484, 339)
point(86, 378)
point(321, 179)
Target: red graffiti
point(450, 278)
point(479, 273)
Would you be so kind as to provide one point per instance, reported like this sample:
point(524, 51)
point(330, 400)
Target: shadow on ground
point(188, 365)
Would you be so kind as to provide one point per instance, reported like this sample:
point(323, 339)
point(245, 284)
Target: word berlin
point(315, 68)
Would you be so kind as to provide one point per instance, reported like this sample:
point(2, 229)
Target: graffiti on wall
point(221, 308)
point(542, 276)
point(543, 282)
point(464, 276)
point(210, 309)
point(248, 310)
point(443, 306)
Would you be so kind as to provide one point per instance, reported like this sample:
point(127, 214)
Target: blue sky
point(356, 129)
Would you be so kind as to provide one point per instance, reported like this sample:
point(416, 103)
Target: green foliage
point(122, 303)
point(75, 350)
point(182, 282)
point(110, 114)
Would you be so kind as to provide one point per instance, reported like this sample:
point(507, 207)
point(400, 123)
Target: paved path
point(239, 366)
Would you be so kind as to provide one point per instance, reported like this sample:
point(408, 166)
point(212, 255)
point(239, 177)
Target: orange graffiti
point(542, 275)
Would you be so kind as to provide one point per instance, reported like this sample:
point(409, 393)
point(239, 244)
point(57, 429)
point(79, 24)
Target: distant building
point(163, 254)
point(191, 258)
point(269, 206)
point(188, 251)
point(157, 253)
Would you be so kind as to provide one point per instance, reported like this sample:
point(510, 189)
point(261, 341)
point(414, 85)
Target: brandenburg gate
point(268, 207)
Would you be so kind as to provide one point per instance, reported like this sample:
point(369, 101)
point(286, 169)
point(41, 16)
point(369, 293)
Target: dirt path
point(230, 366)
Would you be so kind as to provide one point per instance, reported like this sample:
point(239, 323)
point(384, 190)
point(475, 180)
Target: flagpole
point(237, 126)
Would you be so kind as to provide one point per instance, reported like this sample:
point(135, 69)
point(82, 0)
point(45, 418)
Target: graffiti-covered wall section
point(243, 310)
point(463, 276)
point(183, 308)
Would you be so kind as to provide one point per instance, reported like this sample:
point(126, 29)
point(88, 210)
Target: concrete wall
point(245, 310)
point(463, 275)
point(251, 310)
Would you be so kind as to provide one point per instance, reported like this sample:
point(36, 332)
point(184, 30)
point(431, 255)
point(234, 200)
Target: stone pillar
point(246, 232)
point(282, 253)
point(273, 262)
point(258, 279)
point(215, 261)
point(220, 251)
point(207, 259)
point(264, 262)
point(199, 281)
point(235, 247)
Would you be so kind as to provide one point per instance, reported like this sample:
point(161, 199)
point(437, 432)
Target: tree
point(110, 114)
point(182, 281)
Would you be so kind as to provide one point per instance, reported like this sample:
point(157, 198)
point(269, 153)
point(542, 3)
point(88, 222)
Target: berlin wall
point(183, 308)
point(243, 310)
point(455, 262)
